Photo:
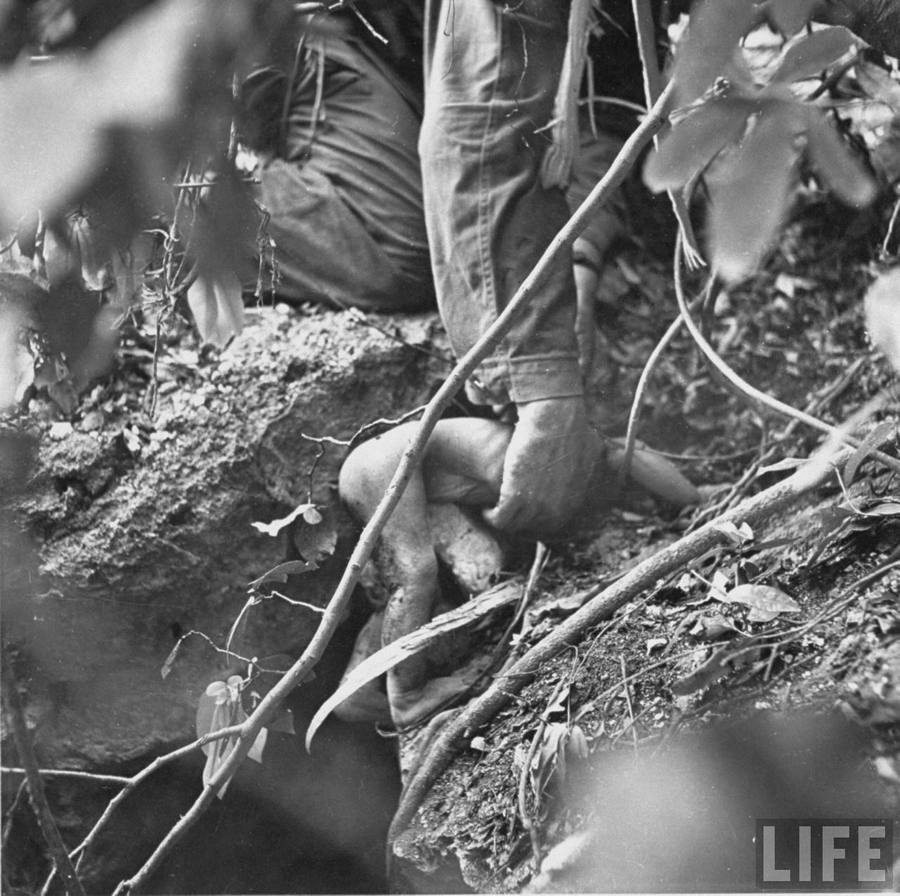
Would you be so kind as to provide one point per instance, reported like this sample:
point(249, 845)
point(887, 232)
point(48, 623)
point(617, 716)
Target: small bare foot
point(411, 706)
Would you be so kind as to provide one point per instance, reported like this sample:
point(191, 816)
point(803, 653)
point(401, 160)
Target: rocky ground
point(133, 529)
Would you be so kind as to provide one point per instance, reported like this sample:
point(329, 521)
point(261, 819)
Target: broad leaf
point(716, 27)
point(814, 53)
point(217, 305)
point(220, 707)
point(882, 307)
point(55, 119)
point(750, 191)
point(869, 443)
point(789, 16)
point(838, 166)
point(765, 602)
point(695, 141)
point(415, 642)
point(315, 542)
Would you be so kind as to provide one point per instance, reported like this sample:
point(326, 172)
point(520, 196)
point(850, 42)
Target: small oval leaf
point(217, 305)
point(764, 601)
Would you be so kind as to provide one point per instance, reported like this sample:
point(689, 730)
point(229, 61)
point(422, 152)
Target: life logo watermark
point(824, 854)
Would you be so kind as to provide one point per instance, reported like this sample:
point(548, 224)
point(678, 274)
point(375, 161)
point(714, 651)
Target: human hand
point(545, 469)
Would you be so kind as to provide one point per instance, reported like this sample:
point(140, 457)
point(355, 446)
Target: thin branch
point(334, 612)
point(22, 737)
point(637, 401)
point(73, 774)
point(743, 388)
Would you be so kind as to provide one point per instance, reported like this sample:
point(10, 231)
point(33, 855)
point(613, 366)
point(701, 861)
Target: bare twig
point(73, 774)
point(334, 612)
point(57, 849)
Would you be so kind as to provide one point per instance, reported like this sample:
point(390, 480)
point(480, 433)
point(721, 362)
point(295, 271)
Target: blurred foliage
point(744, 129)
point(97, 134)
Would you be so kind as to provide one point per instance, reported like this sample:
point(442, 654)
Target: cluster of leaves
point(96, 138)
point(745, 133)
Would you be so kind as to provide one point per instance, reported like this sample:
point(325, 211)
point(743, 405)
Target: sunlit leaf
point(415, 642)
point(878, 84)
point(882, 308)
point(885, 508)
point(750, 192)
point(51, 137)
point(736, 535)
point(878, 435)
point(695, 141)
point(838, 166)
point(217, 305)
point(91, 251)
point(715, 28)
point(814, 53)
point(276, 526)
point(764, 601)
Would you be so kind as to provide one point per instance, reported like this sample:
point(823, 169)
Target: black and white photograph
point(449, 446)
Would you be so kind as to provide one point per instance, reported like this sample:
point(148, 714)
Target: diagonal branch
point(334, 612)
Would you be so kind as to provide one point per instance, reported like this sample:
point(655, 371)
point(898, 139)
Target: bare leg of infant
point(462, 465)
